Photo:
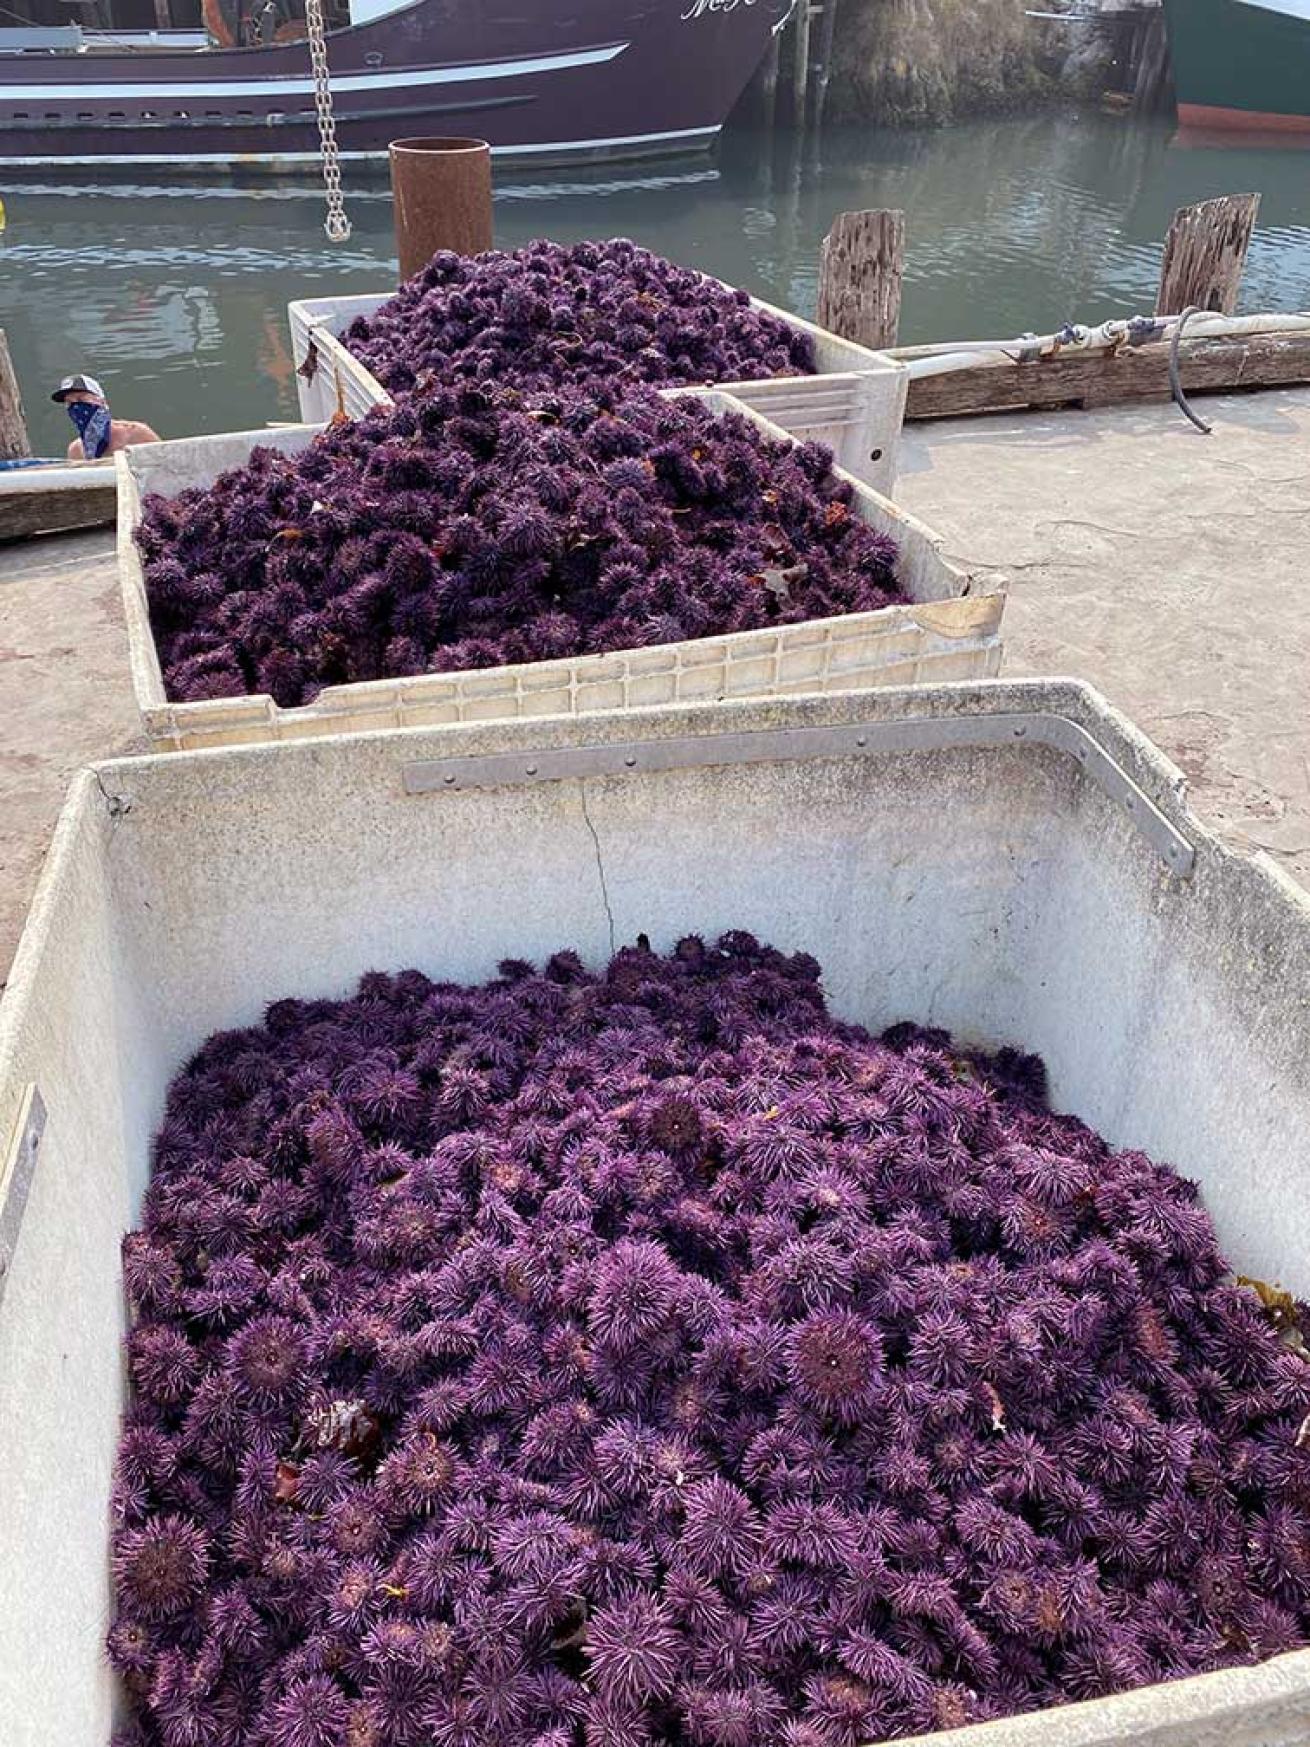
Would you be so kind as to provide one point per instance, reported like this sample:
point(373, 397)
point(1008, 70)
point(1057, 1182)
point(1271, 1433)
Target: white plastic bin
point(1009, 860)
point(951, 630)
point(855, 403)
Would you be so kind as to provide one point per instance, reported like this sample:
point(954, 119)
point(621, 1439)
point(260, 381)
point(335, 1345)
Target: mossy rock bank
point(918, 62)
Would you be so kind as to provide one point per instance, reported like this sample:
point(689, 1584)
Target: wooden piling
point(1205, 253)
point(14, 444)
point(860, 277)
point(821, 70)
point(1152, 70)
point(769, 84)
point(800, 65)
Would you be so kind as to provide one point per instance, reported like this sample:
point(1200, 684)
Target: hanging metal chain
point(336, 224)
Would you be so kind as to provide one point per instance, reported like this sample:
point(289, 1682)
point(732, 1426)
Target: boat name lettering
point(699, 8)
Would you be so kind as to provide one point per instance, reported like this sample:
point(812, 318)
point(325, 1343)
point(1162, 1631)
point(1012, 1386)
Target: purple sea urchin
point(675, 1125)
point(835, 1362)
point(160, 1568)
point(312, 1712)
point(265, 1361)
point(648, 1358)
point(633, 1651)
point(545, 315)
point(509, 550)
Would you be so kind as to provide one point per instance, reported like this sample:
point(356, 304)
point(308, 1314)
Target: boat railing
point(31, 39)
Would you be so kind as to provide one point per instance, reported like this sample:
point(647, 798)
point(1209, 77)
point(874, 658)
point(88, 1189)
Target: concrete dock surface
point(1171, 570)
point(65, 696)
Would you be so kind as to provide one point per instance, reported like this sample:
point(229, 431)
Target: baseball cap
point(78, 385)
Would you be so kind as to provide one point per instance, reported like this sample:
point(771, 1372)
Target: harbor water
point(175, 295)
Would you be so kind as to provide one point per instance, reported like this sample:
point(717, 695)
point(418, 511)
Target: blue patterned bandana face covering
point(92, 426)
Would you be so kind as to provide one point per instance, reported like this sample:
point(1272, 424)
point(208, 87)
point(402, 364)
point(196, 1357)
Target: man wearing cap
point(97, 433)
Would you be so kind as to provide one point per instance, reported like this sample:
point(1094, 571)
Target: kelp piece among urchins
point(477, 528)
point(544, 316)
point(647, 1359)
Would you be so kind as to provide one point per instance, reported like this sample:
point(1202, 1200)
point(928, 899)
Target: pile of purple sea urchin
point(545, 316)
point(474, 529)
point(650, 1359)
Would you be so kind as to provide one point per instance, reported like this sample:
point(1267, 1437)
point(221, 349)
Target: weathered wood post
point(822, 67)
point(860, 277)
point(1205, 253)
point(769, 85)
point(800, 66)
point(14, 442)
point(1151, 84)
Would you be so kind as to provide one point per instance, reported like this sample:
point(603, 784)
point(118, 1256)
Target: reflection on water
point(176, 297)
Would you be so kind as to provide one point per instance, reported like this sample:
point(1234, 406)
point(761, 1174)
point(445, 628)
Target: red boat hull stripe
point(1240, 120)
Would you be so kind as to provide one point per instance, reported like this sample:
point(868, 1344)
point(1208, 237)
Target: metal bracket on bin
point(856, 739)
point(16, 1173)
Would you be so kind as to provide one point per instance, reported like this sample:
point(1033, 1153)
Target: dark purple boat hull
point(594, 76)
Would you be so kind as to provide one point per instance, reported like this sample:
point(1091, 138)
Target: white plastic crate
point(951, 630)
point(1008, 860)
point(855, 403)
